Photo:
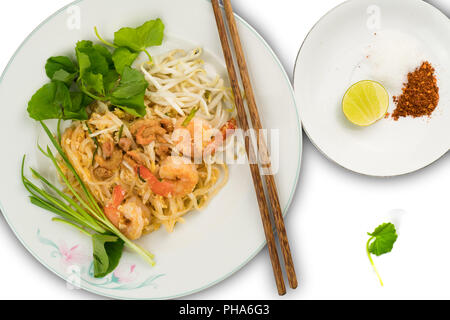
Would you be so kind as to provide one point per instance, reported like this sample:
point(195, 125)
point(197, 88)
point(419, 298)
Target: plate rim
point(259, 248)
point(308, 35)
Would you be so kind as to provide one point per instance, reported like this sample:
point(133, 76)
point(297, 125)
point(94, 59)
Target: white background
point(332, 211)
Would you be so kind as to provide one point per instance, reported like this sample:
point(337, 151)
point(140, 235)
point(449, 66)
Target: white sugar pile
point(389, 57)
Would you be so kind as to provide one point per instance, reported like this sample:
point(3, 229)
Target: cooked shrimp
point(228, 128)
point(136, 156)
point(112, 162)
point(102, 173)
point(191, 140)
point(130, 218)
point(168, 125)
point(111, 208)
point(226, 131)
point(147, 131)
point(134, 217)
point(107, 149)
point(199, 136)
point(183, 176)
point(178, 177)
point(125, 144)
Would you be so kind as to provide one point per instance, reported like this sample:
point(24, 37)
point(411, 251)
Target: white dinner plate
point(213, 243)
point(338, 52)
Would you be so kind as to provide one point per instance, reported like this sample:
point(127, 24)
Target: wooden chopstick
point(254, 168)
point(262, 147)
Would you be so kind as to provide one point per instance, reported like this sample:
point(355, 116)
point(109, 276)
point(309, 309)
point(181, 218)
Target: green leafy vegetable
point(130, 93)
point(54, 101)
point(110, 81)
point(107, 253)
point(93, 58)
point(61, 69)
point(122, 58)
point(76, 110)
point(102, 83)
point(47, 102)
point(139, 39)
point(99, 75)
point(94, 63)
point(385, 236)
point(381, 241)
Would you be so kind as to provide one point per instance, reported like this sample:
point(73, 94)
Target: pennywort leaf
point(46, 102)
point(77, 108)
point(384, 237)
point(55, 101)
point(61, 69)
point(381, 241)
point(138, 39)
point(130, 93)
point(93, 58)
point(123, 57)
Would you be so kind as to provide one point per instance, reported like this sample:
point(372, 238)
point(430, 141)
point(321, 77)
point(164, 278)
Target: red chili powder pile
point(420, 95)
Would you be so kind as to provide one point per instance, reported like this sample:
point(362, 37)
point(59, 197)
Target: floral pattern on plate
point(80, 266)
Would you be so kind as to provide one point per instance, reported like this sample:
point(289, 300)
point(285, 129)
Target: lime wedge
point(365, 103)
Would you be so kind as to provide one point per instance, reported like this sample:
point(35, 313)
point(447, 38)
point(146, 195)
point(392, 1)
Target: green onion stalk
point(83, 214)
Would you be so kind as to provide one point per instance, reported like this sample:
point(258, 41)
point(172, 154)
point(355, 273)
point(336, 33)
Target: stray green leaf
point(381, 241)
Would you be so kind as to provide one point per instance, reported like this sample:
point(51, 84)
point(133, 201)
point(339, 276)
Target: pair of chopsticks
point(262, 148)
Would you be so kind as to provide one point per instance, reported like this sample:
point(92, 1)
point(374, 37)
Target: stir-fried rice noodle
point(141, 156)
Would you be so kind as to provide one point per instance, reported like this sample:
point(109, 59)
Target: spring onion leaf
point(139, 175)
point(190, 117)
point(72, 225)
point(58, 131)
point(97, 145)
point(121, 132)
point(381, 241)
